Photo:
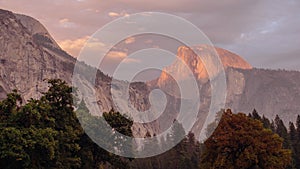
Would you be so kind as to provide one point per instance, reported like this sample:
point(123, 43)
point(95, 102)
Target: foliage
point(47, 133)
point(184, 155)
point(91, 154)
point(242, 142)
point(291, 137)
point(42, 133)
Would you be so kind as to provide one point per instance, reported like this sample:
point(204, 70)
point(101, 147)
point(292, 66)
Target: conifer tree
point(294, 143)
point(281, 130)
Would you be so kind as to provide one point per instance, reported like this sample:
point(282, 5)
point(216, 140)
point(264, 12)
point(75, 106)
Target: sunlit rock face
point(207, 58)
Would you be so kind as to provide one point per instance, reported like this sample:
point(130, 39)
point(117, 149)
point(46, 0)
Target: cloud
point(66, 23)
point(116, 55)
point(113, 14)
point(129, 40)
point(121, 55)
point(73, 47)
point(65, 20)
point(95, 44)
point(116, 14)
point(131, 60)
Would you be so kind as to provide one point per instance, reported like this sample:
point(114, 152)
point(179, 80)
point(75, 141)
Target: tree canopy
point(47, 133)
point(242, 142)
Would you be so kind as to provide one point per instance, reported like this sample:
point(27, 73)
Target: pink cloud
point(73, 47)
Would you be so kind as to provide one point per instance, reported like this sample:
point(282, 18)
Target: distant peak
point(228, 59)
point(195, 62)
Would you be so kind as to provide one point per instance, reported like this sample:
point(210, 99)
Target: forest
point(46, 133)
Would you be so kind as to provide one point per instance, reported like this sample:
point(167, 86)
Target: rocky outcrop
point(207, 58)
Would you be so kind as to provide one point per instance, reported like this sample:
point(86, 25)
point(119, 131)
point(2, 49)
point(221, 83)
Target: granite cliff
point(29, 55)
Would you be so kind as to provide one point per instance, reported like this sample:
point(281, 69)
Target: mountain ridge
point(26, 60)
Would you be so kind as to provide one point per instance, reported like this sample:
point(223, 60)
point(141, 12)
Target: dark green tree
point(255, 115)
point(92, 155)
point(46, 133)
point(297, 146)
point(119, 124)
point(266, 122)
point(60, 99)
point(294, 144)
point(9, 106)
point(25, 141)
point(298, 126)
point(281, 130)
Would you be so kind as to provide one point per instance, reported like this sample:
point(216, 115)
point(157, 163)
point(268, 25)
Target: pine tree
point(255, 115)
point(294, 143)
point(281, 130)
point(296, 146)
point(266, 122)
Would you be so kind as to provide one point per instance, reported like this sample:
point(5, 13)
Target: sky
point(266, 33)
